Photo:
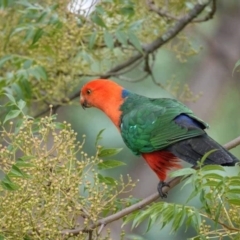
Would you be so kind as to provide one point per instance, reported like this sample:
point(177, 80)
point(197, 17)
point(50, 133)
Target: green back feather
point(148, 124)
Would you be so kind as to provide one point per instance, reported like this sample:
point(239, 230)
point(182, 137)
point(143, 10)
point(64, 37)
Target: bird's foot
point(160, 186)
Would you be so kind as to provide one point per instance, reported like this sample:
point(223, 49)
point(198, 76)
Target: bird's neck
point(111, 107)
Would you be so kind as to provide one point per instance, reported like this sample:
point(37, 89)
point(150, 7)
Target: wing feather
point(149, 123)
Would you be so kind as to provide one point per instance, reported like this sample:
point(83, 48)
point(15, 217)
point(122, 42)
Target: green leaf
point(98, 20)
point(8, 184)
point(234, 191)
point(121, 37)
point(217, 214)
point(59, 125)
point(237, 64)
point(182, 172)
point(17, 172)
point(107, 180)
point(234, 201)
point(178, 219)
point(108, 39)
point(99, 136)
point(2, 237)
point(107, 152)
point(168, 215)
point(27, 64)
point(39, 72)
point(193, 194)
point(37, 35)
point(4, 59)
point(205, 156)
point(11, 114)
point(213, 168)
point(127, 11)
point(92, 40)
point(140, 218)
point(214, 176)
point(4, 4)
point(21, 104)
point(135, 41)
point(23, 164)
point(129, 218)
point(11, 98)
point(110, 164)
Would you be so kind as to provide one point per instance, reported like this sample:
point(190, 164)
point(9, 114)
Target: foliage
point(47, 188)
point(45, 49)
point(216, 217)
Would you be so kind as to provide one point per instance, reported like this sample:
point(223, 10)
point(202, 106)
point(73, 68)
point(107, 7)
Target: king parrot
point(162, 130)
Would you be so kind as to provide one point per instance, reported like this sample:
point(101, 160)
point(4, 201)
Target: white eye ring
point(89, 91)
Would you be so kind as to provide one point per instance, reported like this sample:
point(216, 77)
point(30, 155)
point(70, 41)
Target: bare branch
point(155, 196)
point(232, 144)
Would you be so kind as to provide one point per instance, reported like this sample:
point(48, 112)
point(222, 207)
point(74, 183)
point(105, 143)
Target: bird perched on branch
point(162, 130)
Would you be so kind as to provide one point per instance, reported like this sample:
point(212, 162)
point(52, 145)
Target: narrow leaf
point(107, 152)
point(234, 201)
point(92, 40)
point(16, 172)
point(108, 39)
point(212, 168)
point(8, 184)
point(121, 37)
point(205, 156)
point(135, 41)
point(182, 172)
point(98, 20)
point(110, 164)
point(21, 104)
point(4, 59)
point(108, 180)
point(12, 114)
point(214, 176)
point(39, 72)
point(11, 98)
point(99, 136)
point(37, 35)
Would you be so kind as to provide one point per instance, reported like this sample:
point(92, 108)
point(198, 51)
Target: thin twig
point(210, 14)
point(146, 201)
point(162, 13)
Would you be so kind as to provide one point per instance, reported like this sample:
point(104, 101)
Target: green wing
point(148, 125)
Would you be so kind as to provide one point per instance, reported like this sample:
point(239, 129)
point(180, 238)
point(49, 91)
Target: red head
point(105, 95)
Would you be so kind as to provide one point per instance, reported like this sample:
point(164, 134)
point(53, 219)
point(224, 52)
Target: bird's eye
point(89, 91)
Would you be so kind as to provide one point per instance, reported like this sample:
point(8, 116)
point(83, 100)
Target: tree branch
point(155, 196)
point(148, 48)
point(158, 42)
point(162, 13)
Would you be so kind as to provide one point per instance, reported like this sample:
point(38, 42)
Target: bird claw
point(160, 186)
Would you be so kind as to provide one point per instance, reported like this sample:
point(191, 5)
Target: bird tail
point(193, 149)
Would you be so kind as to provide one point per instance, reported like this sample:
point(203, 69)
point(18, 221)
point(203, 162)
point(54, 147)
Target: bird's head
point(99, 92)
point(105, 95)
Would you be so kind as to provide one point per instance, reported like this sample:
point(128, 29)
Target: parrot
point(161, 130)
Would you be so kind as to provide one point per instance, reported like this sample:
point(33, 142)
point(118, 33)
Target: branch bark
point(155, 196)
